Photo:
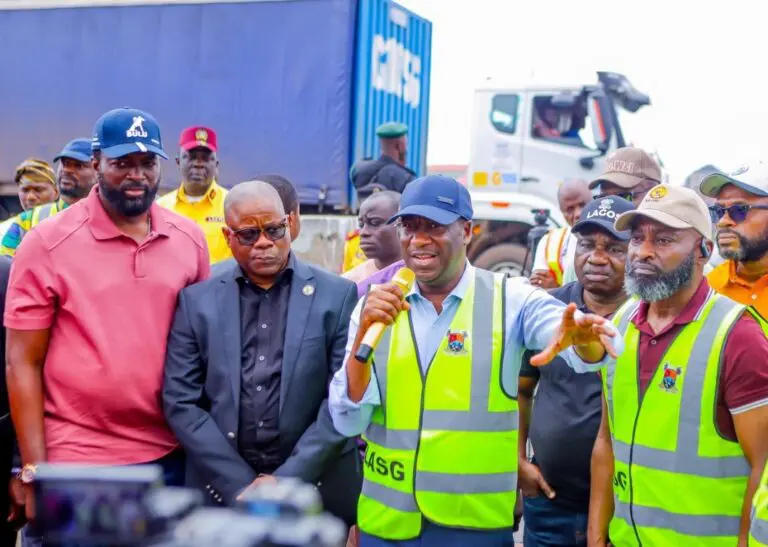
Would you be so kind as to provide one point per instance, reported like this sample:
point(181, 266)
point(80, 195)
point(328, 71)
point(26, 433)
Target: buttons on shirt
point(261, 357)
point(754, 297)
point(263, 325)
point(653, 342)
point(259, 388)
point(261, 424)
point(231, 435)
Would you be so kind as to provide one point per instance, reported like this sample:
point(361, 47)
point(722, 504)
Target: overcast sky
point(704, 68)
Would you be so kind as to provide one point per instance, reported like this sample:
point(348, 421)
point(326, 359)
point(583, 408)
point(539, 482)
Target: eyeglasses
point(249, 236)
point(629, 196)
point(738, 212)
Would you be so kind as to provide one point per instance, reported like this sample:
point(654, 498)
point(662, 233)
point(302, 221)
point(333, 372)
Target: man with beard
point(89, 308)
point(741, 213)
point(200, 197)
point(566, 408)
point(75, 176)
point(438, 404)
point(682, 441)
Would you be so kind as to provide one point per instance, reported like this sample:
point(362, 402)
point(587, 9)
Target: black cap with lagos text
point(126, 131)
point(601, 214)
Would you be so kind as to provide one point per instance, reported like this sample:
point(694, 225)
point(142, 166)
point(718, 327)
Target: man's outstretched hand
point(590, 333)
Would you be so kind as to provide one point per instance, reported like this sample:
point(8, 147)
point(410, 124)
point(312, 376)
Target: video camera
point(79, 506)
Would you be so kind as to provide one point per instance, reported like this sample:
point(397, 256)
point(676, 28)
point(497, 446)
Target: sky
point(703, 64)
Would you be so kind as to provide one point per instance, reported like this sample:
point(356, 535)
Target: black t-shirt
point(565, 419)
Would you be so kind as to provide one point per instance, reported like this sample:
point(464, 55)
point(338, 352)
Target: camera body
point(129, 506)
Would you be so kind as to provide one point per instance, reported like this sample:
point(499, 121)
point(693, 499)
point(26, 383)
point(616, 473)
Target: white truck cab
point(525, 142)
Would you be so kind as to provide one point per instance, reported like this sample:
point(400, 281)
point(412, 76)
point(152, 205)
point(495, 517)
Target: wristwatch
point(28, 473)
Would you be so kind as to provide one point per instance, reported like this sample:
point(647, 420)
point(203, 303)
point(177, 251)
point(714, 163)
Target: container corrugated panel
point(273, 78)
point(392, 78)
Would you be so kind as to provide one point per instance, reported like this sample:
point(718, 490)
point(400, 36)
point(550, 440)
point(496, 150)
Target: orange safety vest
point(554, 252)
point(353, 255)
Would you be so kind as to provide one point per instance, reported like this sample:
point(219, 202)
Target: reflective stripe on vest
point(758, 531)
point(43, 212)
point(439, 444)
point(677, 481)
point(554, 252)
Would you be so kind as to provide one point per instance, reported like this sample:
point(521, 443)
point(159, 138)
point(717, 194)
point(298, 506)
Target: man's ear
point(467, 231)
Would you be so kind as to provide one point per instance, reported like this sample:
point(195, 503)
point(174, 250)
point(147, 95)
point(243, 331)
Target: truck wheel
point(507, 258)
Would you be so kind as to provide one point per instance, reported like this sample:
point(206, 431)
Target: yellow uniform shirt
point(723, 279)
point(353, 254)
point(208, 213)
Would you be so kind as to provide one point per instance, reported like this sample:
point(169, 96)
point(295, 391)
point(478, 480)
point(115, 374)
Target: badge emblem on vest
point(669, 380)
point(456, 343)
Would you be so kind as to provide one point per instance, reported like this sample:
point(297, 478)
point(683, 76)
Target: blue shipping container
point(392, 80)
point(291, 86)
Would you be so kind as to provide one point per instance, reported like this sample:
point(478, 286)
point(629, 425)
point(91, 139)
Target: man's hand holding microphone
point(382, 306)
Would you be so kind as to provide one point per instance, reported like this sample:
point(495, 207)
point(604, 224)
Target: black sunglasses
point(629, 196)
point(738, 212)
point(249, 236)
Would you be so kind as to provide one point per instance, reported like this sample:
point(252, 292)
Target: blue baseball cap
point(438, 198)
point(76, 149)
point(126, 131)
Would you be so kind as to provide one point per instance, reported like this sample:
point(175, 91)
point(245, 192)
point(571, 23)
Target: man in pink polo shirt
point(91, 299)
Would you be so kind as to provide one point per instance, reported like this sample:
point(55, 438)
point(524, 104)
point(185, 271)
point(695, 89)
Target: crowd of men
point(626, 406)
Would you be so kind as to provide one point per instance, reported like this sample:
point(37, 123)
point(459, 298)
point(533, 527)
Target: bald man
point(250, 355)
point(553, 262)
point(378, 240)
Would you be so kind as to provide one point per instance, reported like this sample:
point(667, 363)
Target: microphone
point(404, 279)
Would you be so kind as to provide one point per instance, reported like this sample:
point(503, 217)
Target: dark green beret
point(392, 130)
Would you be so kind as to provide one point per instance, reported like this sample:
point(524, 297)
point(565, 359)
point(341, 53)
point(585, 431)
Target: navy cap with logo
point(438, 198)
point(126, 131)
point(76, 149)
point(602, 213)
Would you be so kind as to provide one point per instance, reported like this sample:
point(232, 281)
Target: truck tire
point(506, 257)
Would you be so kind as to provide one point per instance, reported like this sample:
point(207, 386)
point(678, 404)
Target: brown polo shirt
point(744, 374)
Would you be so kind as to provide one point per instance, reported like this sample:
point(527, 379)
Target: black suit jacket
point(201, 391)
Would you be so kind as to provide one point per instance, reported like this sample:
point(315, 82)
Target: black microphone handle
point(364, 353)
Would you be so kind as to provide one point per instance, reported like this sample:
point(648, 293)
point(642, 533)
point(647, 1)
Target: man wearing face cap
point(740, 210)
point(75, 176)
point(89, 308)
point(682, 440)
point(439, 465)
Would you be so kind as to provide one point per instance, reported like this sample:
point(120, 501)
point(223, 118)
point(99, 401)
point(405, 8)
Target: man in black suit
point(250, 356)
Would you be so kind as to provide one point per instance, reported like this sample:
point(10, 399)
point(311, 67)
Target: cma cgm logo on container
point(394, 69)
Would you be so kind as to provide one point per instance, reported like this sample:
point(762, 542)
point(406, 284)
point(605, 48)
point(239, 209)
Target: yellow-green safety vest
point(677, 481)
point(758, 530)
point(441, 446)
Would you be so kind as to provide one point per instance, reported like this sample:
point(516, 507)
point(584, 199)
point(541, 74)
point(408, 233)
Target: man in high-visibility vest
point(555, 251)
point(758, 530)
point(438, 405)
point(75, 176)
point(682, 441)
